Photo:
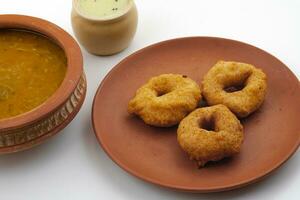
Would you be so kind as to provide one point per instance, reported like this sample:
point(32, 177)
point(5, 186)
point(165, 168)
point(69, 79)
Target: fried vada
point(165, 100)
point(239, 86)
point(210, 134)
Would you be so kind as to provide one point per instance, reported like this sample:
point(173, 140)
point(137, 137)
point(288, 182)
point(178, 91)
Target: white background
point(73, 166)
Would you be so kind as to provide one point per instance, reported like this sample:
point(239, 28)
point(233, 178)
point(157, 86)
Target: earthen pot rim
point(72, 77)
point(108, 19)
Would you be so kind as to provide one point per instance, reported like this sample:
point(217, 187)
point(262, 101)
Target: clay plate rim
point(240, 184)
point(72, 77)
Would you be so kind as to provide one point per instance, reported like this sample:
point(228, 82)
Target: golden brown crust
point(225, 74)
point(165, 100)
point(210, 134)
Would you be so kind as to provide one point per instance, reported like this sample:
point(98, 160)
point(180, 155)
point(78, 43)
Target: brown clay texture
point(34, 127)
point(271, 134)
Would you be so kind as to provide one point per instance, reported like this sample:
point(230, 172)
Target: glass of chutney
point(104, 27)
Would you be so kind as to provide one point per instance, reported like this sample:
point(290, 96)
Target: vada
point(210, 134)
point(239, 86)
point(165, 100)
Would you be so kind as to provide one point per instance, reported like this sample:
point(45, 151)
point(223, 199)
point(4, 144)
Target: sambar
point(32, 67)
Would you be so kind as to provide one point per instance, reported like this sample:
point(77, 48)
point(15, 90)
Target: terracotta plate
point(272, 134)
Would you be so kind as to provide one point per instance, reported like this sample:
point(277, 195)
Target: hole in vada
point(237, 85)
point(208, 124)
point(234, 88)
point(161, 93)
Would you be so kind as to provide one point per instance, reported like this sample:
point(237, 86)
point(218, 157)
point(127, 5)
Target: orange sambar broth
point(32, 67)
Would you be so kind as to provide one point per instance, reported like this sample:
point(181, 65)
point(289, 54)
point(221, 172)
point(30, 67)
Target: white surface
point(73, 166)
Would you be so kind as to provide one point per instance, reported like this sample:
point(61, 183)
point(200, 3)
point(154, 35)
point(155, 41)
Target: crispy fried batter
point(165, 100)
point(210, 134)
point(239, 86)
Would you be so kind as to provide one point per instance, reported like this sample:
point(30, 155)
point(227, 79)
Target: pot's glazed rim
point(109, 18)
point(70, 81)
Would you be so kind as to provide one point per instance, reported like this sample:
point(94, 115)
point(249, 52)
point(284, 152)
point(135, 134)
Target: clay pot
point(105, 36)
point(31, 128)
